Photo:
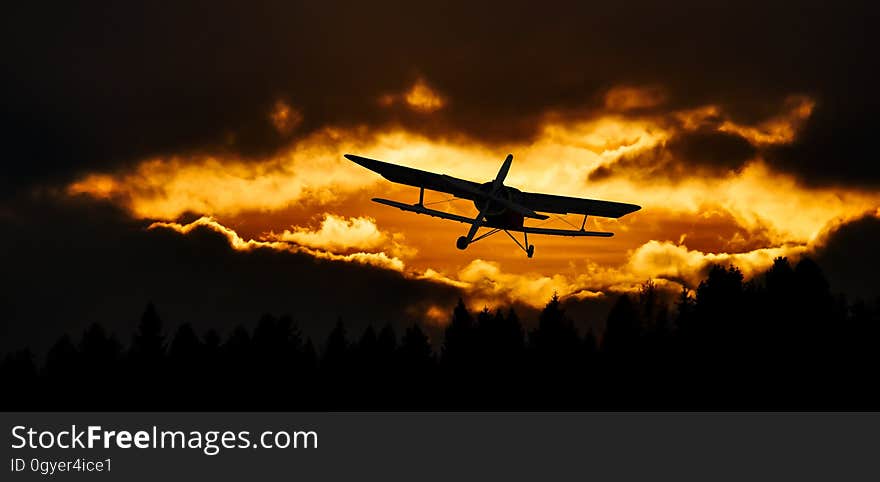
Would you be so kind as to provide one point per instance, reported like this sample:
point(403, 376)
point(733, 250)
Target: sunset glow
point(313, 200)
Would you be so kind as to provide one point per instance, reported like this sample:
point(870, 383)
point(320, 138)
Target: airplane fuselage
point(497, 215)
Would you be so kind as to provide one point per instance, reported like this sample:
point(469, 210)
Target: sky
point(192, 155)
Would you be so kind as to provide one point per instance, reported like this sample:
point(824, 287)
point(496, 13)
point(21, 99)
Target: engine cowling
point(497, 215)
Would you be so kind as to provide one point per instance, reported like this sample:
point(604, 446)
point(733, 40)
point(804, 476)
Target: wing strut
point(463, 241)
point(525, 246)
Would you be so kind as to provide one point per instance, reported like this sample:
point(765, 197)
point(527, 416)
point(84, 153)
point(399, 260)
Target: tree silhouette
point(684, 308)
point(623, 327)
point(309, 356)
point(779, 340)
point(459, 344)
point(367, 351)
point(100, 357)
point(238, 365)
point(186, 348)
point(336, 352)
point(148, 344)
point(19, 370)
point(62, 361)
point(386, 346)
point(185, 355)
point(555, 341)
point(555, 353)
point(415, 351)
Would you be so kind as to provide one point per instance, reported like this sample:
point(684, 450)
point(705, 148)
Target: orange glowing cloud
point(623, 98)
point(285, 117)
point(672, 266)
point(338, 233)
point(768, 213)
point(421, 97)
point(314, 172)
point(437, 315)
point(669, 261)
point(236, 242)
point(780, 129)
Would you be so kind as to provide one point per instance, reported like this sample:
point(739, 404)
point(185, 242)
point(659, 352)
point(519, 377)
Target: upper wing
point(415, 177)
point(460, 188)
point(551, 203)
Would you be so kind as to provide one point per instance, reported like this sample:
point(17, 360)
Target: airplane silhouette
point(501, 208)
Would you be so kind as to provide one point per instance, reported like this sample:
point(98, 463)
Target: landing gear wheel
point(531, 251)
point(461, 243)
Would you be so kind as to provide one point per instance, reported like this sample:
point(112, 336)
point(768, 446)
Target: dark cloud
point(836, 146)
point(851, 259)
point(685, 155)
point(96, 86)
point(717, 149)
point(68, 265)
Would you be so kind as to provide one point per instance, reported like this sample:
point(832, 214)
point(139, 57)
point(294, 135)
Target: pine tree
point(148, 345)
point(415, 350)
point(460, 340)
point(62, 360)
point(556, 343)
point(336, 351)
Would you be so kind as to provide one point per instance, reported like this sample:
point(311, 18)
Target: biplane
point(500, 207)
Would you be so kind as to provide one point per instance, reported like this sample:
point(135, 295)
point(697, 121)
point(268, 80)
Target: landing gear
point(463, 241)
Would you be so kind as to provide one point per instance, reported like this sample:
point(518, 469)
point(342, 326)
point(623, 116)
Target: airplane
point(501, 208)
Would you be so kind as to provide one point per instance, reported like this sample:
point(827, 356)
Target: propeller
point(502, 173)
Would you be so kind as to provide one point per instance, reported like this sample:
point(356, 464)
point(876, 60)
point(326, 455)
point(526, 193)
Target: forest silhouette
point(779, 341)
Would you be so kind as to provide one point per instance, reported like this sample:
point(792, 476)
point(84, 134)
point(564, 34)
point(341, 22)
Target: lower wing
point(415, 208)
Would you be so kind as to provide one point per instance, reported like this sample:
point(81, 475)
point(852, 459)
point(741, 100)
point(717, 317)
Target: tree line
point(778, 341)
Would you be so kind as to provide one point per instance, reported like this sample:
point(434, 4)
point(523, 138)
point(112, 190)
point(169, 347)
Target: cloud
point(671, 266)
point(379, 259)
point(205, 272)
point(626, 98)
point(70, 264)
point(133, 96)
point(486, 283)
point(336, 233)
point(742, 216)
point(312, 172)
point(707, 142)
point(165, 188)
point(672, 262)
point(688, 154)
point(422, 98)
point(780, 129)
point(849, 256)
point(738, 147)
point(835, 141)
point(285, 117)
